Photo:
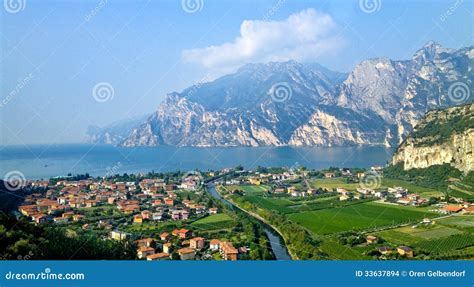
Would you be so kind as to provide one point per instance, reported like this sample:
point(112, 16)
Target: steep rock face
point(289, 103)
point(437, 72)
point(445, 136)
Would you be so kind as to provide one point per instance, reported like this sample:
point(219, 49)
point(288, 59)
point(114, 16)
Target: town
point(172, 216)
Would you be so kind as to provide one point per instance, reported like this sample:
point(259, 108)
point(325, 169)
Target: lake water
point(44, 161)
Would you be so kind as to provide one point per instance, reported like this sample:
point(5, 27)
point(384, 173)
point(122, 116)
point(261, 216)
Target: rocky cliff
point(442, 136)
point(290, 103)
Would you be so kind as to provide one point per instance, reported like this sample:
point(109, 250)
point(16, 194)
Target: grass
point(465, 223)
point(271, 203)
point(412, 188)
point(446, 244)
point(215, 221)
point(399, 238)
point(331, 183)
point(357, 217)
point(336, 250)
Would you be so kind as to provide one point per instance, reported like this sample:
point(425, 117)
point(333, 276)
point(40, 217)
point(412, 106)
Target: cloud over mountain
point(304, 36)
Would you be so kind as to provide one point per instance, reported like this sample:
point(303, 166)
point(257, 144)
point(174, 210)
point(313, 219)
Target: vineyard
point(447, 244)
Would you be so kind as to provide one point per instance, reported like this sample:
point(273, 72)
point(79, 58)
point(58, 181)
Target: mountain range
point(289, 103)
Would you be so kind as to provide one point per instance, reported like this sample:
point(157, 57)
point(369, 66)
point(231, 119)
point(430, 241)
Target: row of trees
point(20, 239)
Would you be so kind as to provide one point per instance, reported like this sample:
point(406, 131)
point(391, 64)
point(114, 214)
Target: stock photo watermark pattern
point(459, 93)
point(370, 6)
point(103, 92)
point(371, 180)
point(14, 6)
point(281, 92)
point(192, 6)
point(14, 180)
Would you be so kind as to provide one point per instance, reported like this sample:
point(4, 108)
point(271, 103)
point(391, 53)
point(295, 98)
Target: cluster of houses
point(398, 195)
point(385, 250)
point(149, 200)
point(465, 208)
point(182, 243)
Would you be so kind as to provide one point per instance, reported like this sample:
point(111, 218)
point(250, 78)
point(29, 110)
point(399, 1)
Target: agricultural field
point(412, 188)
point(335, 250)
point(215, 221)
point(332, 183)
point(357, 217)
point(447, 244)
point(271, 203)
point(408, 236)
point(465, 223)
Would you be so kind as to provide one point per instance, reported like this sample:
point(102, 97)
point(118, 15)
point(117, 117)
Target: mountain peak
point(429, 51)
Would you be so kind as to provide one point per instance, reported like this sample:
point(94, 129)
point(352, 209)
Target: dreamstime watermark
point(14, 6)
point(22, 83)
point(92, 13)
point(458, 93)
point(103, 92)
point(192, 178)
point(44, 275)
point(280, 92)
point(192, 6)
point(113, 170)
point(371, 180)
point(14, 180)
point(198, 85)
point(370, 6)
point(450, 11)
point(26, 257)
point(273, 10)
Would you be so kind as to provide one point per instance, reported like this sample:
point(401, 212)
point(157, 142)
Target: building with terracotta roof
point(145, 251)
point(158, 256)
point(214, 244)
point(453, 208)
point(186, 253)
point(228, 251)
point(145, 242)
point(405, 251)
point(167, 247)
point(138, 219)
point(165, 236)
point(469, 209)
point(197, 243)
point(184, 233)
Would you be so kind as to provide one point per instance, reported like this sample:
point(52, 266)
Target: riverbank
point(258, 217)
point(213, 191)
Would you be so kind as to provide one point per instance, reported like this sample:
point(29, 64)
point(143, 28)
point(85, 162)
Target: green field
point(357, 217)
point(271, 203)
point(446, 244)
point(215, 221)
point(465, 223)
point(332, 183)
point(407, 235)
point(335, 250)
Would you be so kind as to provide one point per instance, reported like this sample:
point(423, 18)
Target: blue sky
point(53, 53)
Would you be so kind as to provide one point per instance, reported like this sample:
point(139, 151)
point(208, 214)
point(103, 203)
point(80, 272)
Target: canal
point(276, 242)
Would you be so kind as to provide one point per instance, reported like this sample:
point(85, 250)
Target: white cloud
point(304, 36)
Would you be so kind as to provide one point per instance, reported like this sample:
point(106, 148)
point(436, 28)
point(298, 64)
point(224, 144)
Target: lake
point(44, 161)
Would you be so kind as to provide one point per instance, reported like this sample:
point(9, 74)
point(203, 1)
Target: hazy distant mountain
point(289, 103)
point(114, 133)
